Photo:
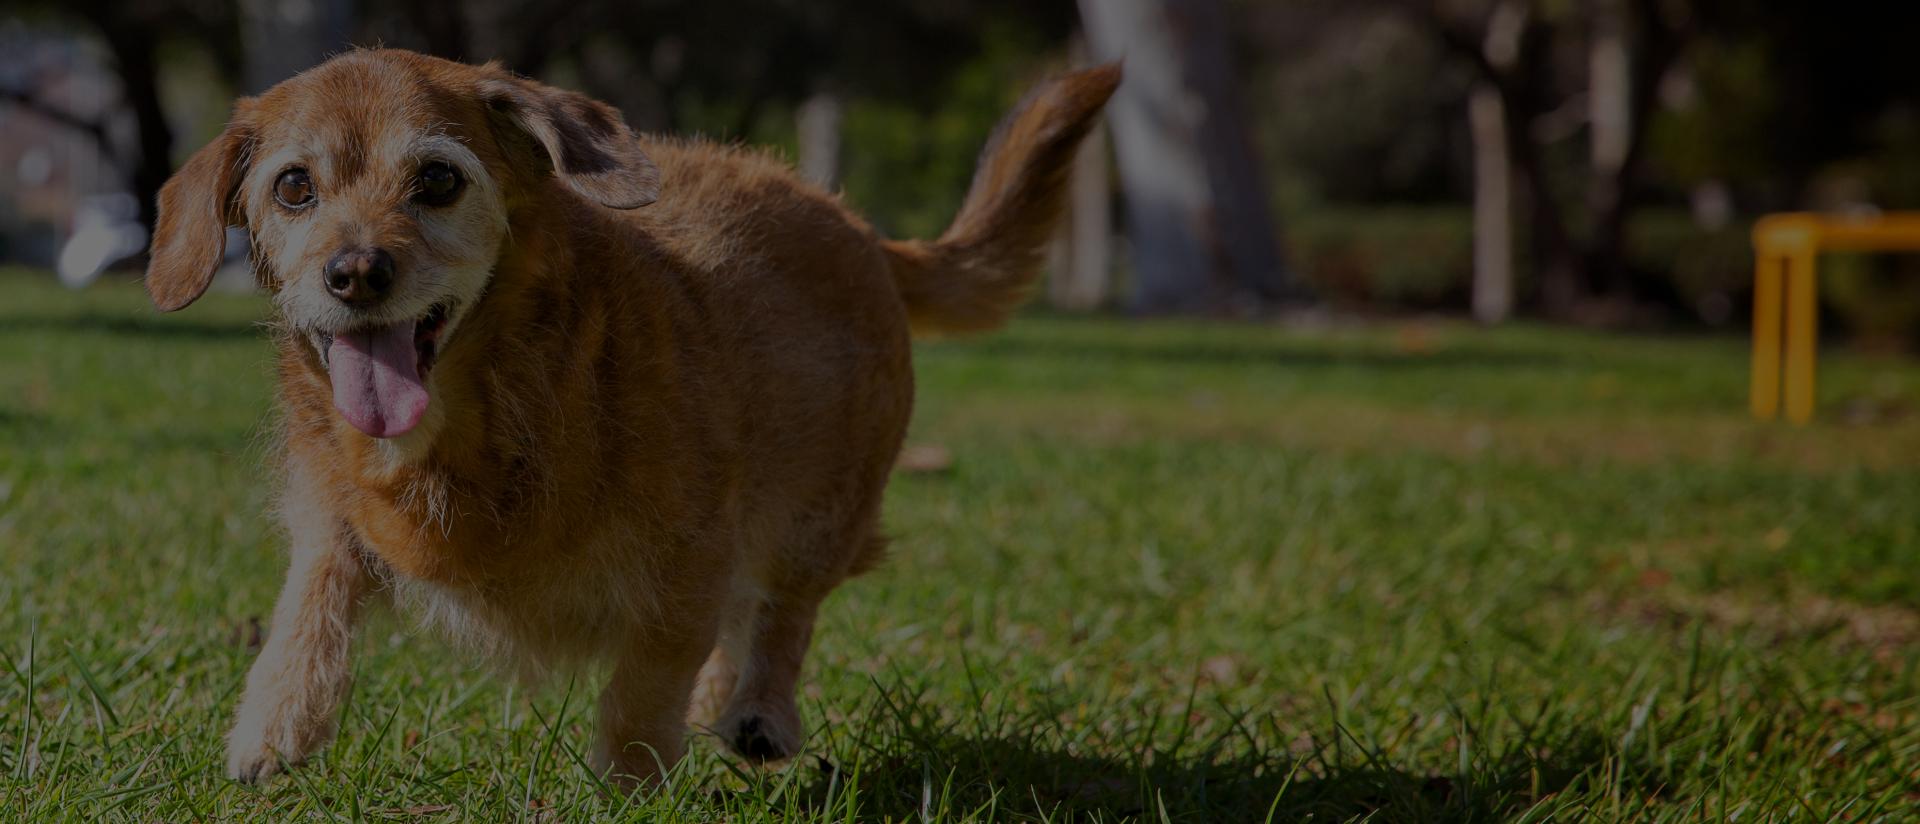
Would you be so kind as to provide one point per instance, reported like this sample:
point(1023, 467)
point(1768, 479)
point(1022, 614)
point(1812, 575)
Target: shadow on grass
point(908, 763)
point(155, 328)
point(1016, 778)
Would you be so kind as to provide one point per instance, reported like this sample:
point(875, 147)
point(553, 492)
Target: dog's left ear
point(195, 208)
point(585, 140)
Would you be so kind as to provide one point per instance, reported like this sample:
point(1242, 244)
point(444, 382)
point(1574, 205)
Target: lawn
point(1405, 571)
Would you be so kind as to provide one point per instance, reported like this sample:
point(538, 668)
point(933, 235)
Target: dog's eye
point(293, 189)
point(439, 184)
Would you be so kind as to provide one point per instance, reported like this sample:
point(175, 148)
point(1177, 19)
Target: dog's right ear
point(583, 140)
point(196, 206)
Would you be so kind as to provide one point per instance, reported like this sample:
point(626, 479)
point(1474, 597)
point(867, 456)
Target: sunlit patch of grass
point(1174, 571)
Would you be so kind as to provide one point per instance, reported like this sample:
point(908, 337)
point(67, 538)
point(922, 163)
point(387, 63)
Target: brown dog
point(560, 427)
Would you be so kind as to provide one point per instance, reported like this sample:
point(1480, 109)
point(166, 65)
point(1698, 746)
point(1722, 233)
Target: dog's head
point(377, 189)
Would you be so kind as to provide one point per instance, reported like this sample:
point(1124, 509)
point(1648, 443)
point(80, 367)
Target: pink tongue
point(376, 380)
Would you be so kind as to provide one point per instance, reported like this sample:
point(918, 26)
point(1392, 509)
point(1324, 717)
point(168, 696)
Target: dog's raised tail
point(986, 263)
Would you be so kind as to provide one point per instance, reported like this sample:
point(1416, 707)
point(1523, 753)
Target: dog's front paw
point(252, 765)
point(761, 734)
point(253, 755)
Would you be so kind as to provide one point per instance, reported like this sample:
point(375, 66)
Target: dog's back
point(758, 242)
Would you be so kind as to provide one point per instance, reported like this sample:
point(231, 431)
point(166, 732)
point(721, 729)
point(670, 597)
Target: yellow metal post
point(1802, 334)
point(1767, 276)
point(1786, 249)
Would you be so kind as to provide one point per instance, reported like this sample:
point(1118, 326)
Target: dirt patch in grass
point(1886, 630)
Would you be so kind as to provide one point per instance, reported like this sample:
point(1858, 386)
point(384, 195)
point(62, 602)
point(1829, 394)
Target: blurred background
point(1589, 161)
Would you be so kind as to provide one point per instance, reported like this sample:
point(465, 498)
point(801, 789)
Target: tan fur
point(986, 263)
point(657, 437)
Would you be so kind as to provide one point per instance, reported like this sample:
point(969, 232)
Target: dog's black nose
point(360, 277)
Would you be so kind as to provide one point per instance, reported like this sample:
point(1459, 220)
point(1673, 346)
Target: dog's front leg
point(296, 685)
point(643, 712)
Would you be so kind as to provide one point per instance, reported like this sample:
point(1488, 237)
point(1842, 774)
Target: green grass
point(1399, 572)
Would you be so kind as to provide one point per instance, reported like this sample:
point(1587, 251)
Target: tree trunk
point(1633, 52)
point(1197, 213)
point(1557, 257)
point(1084, 251)
point(136, 67)
point(1632, 48)
point(1610, 125)
point(1494, 128)
point(818, 127)
point(138, 70)
point(1610, 122)
point(1492, 208)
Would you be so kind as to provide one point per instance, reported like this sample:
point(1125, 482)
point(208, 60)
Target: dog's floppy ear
point(585, 140)
point(196, 206)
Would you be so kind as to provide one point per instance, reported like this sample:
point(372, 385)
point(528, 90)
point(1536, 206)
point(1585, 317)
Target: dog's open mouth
point(379, 374)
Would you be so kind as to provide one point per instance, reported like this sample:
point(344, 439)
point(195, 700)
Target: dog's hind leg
point(294, 690)
point(762, 720)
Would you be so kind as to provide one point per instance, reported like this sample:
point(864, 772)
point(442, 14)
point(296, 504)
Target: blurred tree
point(909, 76)
point(133, 33)
point(1632, 44)
point(1352, 104)
point(1201, 228)
point(1787, 104)
point(1493, 281)
point(1080, 270)
point(818, 123)
point(1818, 80)
point(663, 61)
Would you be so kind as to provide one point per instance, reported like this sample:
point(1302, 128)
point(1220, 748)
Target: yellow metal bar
point(1898, 232)
point(1765, 388)
point(1802, 334)
point(1799, 237)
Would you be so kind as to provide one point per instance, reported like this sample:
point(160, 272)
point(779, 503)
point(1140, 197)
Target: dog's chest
point(545, 561)
point(544, 627)
point(546, 593)
point(432, 529)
